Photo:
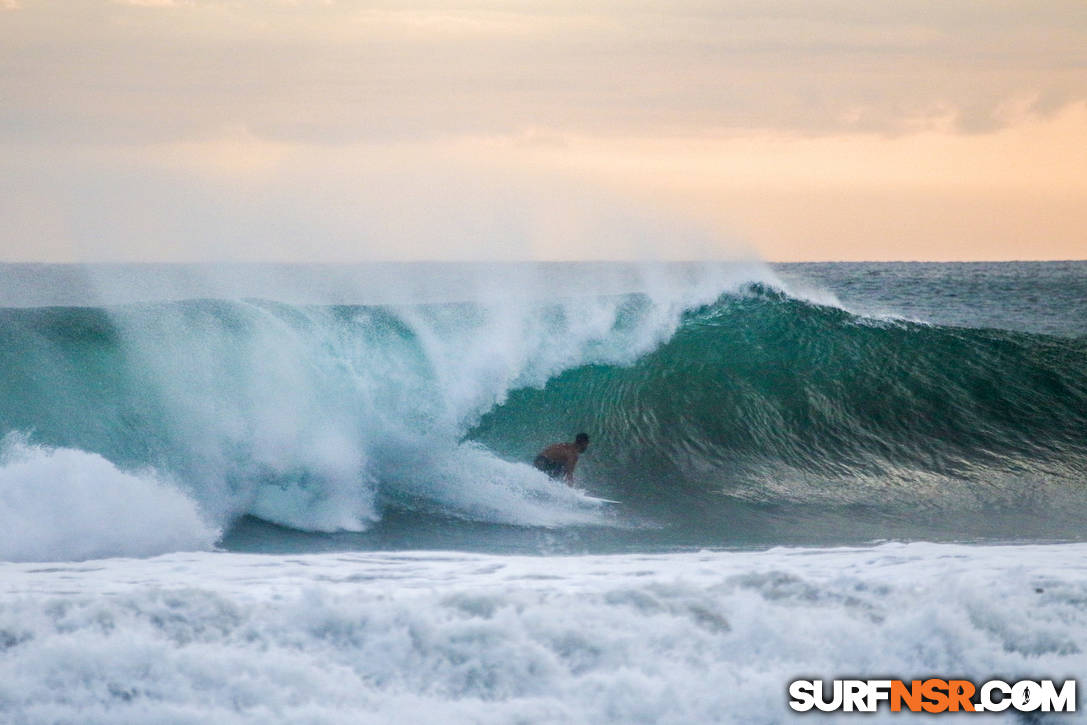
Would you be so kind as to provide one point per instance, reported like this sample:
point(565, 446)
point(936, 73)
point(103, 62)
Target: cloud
point(153, 3)
point(350, 71)
point(205, 127)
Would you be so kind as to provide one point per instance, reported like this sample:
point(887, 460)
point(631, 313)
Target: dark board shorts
point(555, 469)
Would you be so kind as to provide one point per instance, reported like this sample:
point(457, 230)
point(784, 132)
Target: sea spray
point(64, 504)
point(316, 416)
point(724, 408)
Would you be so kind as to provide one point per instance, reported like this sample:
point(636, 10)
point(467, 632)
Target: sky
point(342, 131)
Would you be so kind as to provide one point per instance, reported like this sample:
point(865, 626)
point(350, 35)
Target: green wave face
point(769, 399)
point(756, 407)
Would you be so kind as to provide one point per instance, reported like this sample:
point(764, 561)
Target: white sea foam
point(444, 637)
point(64, 504)
point(312, 416)
point(309, 416)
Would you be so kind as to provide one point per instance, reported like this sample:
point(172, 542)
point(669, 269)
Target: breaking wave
point(700, 397)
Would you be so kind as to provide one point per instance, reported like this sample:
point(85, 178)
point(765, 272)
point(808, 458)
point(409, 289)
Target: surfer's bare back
point(558, 460)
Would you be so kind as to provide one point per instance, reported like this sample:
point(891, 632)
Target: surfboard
point(601, 500)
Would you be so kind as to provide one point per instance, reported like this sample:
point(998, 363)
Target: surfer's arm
point(571, 463)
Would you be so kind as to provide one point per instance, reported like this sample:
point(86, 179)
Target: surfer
point(559, 459)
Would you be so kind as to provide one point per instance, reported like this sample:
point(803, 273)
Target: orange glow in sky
point(335, 130)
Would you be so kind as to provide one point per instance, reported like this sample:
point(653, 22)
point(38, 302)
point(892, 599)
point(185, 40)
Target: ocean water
point(260, 493)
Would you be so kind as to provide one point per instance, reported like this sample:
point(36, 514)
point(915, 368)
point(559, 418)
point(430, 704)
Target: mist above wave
point(317, 416)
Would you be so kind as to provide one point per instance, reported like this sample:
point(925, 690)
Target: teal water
point(398, 407)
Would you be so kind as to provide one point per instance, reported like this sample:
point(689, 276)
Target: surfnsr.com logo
point(932, 695)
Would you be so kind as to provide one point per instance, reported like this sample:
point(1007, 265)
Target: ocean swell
point(700, 397)
point(318, 417)
point(767, 398)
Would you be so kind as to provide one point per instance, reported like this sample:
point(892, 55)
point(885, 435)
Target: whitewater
point(261, 493)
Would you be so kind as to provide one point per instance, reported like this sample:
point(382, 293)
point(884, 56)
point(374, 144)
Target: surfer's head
point(581, 441)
